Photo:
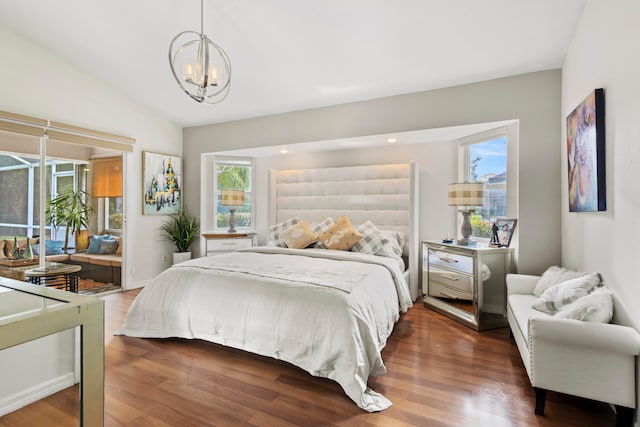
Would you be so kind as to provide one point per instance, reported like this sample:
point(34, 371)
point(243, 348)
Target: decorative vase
point(179, 257)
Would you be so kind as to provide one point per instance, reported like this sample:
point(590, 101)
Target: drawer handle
point(452, 278)
point(446, 295)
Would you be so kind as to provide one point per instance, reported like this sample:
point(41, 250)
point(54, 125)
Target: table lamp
point(232, 198)
point(466, 194)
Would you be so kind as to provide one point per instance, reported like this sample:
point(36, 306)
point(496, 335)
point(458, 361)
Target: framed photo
point(161, 183)
point(504, 231)
point(585, 155)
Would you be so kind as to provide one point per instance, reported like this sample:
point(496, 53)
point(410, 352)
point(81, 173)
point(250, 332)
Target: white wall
point(37, 83)
point(533, 99)
point(603, 54)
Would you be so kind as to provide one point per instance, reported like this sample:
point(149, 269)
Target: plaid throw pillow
point(373, 240)
point(276, 236)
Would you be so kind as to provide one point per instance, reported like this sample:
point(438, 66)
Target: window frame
point(233, 161)
point(464, 170)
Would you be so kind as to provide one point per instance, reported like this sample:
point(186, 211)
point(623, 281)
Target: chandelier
point(201, 67)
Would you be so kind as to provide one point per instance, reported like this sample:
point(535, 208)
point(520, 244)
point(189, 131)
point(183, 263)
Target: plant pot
point(82, 240)
point(179, 257)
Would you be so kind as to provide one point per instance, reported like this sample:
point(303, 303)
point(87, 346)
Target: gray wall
point(533, 99)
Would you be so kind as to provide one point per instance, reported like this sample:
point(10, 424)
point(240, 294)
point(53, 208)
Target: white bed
point(329, 312)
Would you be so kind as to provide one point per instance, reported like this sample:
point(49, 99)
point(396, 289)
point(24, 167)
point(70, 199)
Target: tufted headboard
point(387, 195)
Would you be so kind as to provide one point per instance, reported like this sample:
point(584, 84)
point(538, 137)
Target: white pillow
point(566, 292)
point(554, 276)
point(276, 237)
point(595, 307)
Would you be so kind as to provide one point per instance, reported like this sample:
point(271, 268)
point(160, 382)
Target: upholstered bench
point(578, 357)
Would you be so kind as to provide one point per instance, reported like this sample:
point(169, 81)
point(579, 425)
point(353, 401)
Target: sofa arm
point(607, 337)
point(521, 283)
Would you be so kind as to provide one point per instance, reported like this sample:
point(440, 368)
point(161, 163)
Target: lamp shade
point(232, 198)
point(466, 194)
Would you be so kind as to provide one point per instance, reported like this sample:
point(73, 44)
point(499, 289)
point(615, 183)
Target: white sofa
point(587, 359)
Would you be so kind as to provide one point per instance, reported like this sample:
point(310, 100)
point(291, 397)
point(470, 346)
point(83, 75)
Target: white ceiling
point(289, 55)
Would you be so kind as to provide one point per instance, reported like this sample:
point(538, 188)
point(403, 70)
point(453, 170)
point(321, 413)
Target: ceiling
point(289, 55)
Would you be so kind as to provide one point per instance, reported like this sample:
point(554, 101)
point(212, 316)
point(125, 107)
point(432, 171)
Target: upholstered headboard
point(387, 195)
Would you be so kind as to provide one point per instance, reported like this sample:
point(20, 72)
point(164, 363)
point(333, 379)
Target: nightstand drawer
point(451, 261)
point(228, 245)
point(440, 290)
point(454, 280)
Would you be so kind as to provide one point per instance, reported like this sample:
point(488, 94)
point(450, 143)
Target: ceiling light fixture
point(201, 67)
point(392, 140)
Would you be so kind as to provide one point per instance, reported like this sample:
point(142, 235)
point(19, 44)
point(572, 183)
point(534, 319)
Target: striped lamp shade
point(232, 198)
point(466, 194)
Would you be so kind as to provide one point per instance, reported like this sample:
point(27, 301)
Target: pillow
point(108, 246)
point(341, 235)
point(95, 242)
point(595, 307)
point(397, 240)
point(51, 247)
point(553, 276)
point(275, 232)
point(321, 228)
point(566, 292)
point(299, 236)
point(119, 250)
point(372, 241)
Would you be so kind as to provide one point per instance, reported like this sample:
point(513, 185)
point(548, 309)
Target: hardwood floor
point(440, 373)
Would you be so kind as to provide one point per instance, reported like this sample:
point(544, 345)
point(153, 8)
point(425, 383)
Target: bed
point(335, 308)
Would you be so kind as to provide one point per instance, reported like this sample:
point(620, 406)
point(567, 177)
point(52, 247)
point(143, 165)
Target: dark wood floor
point(440, 373)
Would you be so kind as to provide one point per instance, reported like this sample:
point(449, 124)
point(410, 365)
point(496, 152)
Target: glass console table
point(29, 311)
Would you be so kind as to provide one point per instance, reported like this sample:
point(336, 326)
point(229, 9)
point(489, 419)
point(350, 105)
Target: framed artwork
point(161, 183)
point(503, 231)
point(586, 155)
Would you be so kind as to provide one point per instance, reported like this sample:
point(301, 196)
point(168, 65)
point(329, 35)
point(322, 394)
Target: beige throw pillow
point(341, 235)
point(299, 236)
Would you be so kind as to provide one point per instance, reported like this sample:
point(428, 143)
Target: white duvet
point(328, 312)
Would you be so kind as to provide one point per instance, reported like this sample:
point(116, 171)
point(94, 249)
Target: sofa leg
point(624, 416)
point(541, 398)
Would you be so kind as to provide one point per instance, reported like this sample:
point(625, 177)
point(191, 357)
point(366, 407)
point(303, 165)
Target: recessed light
point(284, 150)
point(392, 140)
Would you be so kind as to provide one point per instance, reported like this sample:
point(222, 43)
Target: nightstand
point(467, 283)
point(218, 242)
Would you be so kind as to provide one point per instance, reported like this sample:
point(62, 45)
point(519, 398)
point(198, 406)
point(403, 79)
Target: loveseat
point(588, 358)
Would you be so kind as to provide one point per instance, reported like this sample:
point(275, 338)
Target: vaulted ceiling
point(289, 55)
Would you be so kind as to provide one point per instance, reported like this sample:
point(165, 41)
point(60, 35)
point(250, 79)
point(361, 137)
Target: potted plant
point(69, 209)
point(181, 229)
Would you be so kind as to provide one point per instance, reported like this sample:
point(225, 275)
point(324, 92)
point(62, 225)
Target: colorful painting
point(161, 180)
point(585, 155)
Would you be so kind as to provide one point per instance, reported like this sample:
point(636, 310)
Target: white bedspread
point(328, 312)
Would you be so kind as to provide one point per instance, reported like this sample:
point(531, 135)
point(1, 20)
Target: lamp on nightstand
point(232, 198)
point(467, 194)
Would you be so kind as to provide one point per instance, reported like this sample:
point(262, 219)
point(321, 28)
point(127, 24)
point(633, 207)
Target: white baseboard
point(26, 397)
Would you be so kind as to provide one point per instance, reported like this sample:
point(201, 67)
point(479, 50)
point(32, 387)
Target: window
point(233, 174)
point(113, 213)
point(485, 160)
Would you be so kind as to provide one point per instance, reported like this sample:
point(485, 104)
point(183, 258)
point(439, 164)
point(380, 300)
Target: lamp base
point(232, 220)
point(466, 242)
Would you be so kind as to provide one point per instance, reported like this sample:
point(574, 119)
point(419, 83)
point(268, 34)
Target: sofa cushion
point(108, 246)
point(521, 307)
point(595, 307)
point(95, 242)
point(566, 292)
point(553, 276)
